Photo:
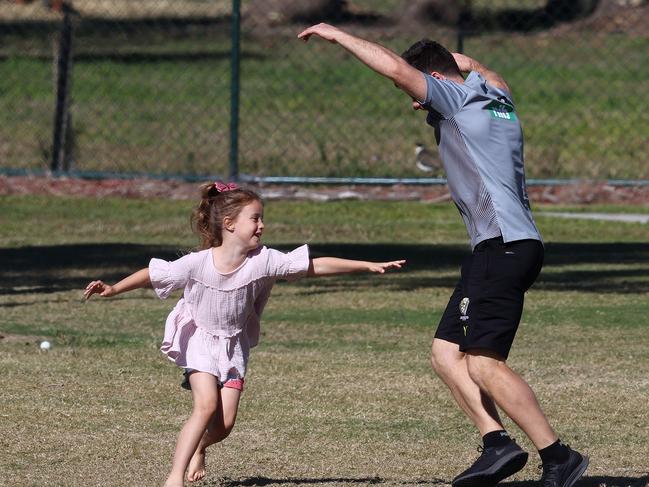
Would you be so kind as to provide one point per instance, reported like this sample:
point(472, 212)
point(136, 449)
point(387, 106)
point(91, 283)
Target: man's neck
point(456, 78)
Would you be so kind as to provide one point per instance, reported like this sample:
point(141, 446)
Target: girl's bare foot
point(196, 470)
point(173, 483)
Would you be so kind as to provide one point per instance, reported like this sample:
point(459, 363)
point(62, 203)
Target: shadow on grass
point(261, 481)
point(147, 57)
point(95, 30)
point(45, 269)
point(594, 481)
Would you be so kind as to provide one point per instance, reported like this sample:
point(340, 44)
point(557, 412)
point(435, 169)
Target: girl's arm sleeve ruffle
point(166, 276)
point(291, 265)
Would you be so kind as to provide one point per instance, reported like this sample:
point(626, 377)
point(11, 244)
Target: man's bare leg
point(512, 394)
point(451, 366)
point(501, 457)
point(562, 466)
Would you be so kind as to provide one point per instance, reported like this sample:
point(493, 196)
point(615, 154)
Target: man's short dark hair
point(429, 56)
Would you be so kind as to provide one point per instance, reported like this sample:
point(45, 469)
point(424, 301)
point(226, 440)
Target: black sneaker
point(494, 464)
point(564, 474)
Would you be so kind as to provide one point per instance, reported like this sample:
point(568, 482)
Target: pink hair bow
point(222, 187)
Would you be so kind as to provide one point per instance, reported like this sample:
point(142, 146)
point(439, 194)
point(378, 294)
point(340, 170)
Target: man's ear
point(437, 75)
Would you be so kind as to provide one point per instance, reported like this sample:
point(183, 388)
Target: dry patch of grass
point(340, 391)
point(337, 401)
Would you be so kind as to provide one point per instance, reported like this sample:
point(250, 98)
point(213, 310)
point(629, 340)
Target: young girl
point(212, 328)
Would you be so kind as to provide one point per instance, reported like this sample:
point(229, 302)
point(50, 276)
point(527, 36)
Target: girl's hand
point(381, 267)
point(98, 287)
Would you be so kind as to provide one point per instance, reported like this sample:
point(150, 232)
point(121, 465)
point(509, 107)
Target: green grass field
point(340, 391)
point(160, 104)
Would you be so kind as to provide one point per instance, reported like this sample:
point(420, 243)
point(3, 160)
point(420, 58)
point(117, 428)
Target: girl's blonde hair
point(218, 201)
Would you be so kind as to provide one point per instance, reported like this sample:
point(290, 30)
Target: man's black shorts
point(486, 306)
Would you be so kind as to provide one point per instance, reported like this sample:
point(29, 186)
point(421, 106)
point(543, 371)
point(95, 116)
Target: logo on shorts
point(464, 307)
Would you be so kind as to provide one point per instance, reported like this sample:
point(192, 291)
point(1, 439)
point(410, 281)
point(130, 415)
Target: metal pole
point(463, 18)
point(61, 113)
point(234, 91)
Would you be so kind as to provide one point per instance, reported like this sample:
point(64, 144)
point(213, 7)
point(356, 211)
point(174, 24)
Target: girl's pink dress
point(216, 322)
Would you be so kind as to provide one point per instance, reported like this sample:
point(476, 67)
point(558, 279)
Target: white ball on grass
point(45, 345)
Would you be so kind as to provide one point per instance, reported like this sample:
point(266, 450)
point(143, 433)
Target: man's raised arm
point(382, 60)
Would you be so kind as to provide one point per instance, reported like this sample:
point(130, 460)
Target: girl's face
point(248, 226)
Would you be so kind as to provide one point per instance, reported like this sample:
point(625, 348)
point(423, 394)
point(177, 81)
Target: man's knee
point(477, 371)
point(445, 357)
point(482, 367)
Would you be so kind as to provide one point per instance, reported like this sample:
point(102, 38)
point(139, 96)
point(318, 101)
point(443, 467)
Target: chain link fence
point(148, 89)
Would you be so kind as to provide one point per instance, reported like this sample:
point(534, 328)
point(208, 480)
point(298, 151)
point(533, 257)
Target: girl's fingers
point(92, 288)
point(395, 264)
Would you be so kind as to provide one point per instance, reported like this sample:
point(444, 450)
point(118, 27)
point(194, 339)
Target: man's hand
point(326, 31)
point(465, 63)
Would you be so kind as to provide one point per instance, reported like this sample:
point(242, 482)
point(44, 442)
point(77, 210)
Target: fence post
point(462, 21)
point(234, 90)
point(62, 121)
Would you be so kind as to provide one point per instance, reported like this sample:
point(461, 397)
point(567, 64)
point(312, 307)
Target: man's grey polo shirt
point(481, 144)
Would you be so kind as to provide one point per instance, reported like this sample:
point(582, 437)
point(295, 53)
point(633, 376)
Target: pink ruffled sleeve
point(167, 276)
point(291, 265)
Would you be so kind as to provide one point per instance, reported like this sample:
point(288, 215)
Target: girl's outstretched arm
point(329, 266)
point(136, 280)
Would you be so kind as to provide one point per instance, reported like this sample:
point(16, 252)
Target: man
point(481, 144)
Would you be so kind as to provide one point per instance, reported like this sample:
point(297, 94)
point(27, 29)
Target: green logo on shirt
point(501, 111)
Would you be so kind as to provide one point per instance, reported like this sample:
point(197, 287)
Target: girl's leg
point(218, 429)
point(205, 394)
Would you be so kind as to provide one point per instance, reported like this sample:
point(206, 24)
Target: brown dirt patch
point(278, 16)
point(584, 192)
point(611, 19)
point(24, 339)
